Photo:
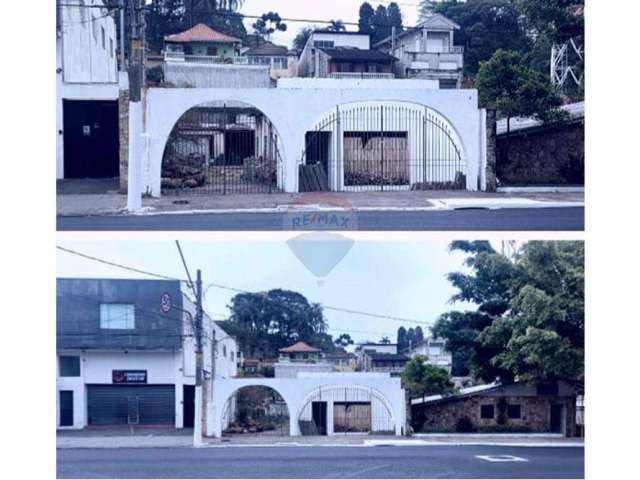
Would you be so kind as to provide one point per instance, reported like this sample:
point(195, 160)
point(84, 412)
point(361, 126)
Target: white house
point(87, 144)
point(434, 350)
point(125, 354)
point(428, 51)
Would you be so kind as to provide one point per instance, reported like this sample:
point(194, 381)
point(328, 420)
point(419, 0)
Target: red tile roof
point(200, 33)
point(299, 347)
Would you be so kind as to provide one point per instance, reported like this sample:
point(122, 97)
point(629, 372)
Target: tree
point(385, 341)
point(381, 25)
point(366, 14)
point(419, 335)
point(529, 321)
point(221, 15)
point(421, 379)
point(164, 17)
point(336, 26)
point(426, 9)
point(269, 23)
point(344, 340)
point(401, 339)
point(394, 15)
point(507, 85)
point(485, 26)
point(302, 38)
point(266, 322)
point(558, 20)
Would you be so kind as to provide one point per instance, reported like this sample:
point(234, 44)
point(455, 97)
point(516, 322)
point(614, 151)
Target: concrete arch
point(292, 111)
point(296, 391)
point(270, 387)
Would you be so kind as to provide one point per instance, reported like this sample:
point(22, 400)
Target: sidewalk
point(115, 204)
point(164, 440)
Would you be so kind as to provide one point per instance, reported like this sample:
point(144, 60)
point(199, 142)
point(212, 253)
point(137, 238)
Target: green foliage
point(506, 84)
point(557, 19)
point(406, 338)
point(421, 379)
point(266, 322)
point(269, 23)
point(302, 37)
point(336, 26)
point(529, 321)
point(485, 26)
point(379, 22)
point(344, 340)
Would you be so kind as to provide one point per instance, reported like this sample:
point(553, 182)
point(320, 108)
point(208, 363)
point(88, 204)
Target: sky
point(403, 279)
point(345, 10)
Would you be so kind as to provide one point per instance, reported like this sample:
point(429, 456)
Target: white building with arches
point(318, 402)
point(438, 125)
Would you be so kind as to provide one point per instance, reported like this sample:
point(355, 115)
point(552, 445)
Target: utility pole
point(136, 116)
point(199, 400)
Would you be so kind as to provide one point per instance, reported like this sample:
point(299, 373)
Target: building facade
point(87, 143)
point(435, 352)
point(494, 408)
point(300, 357)
point(126, 353)
point(282, 62)
point(428, 51)
point(343, 55)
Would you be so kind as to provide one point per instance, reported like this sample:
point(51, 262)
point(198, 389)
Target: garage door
point(131, 404)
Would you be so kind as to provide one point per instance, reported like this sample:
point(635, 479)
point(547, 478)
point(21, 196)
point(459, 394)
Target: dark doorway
point(556, 419)
point(91, 139)
point(319, 414)
point(66, 408)
point(317, 146)
point(188, 405)
point(239, 145)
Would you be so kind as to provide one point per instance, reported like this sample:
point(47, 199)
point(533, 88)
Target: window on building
point(448, 84)
point(514, 411)
point(188, 50)
point(487, 411)
point(117, 316)
point(212, 51)
point(83, 13)
point(111, 47)
point(232, 356)
point(103, 38)
point(69, 365)
point(323, 44)
point(224, 351)
point(280, 63)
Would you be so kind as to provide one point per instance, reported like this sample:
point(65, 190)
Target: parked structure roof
point(200, 33)
point(299, 347)
point(358, 55)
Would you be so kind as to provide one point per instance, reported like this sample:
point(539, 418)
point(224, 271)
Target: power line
point(118, 265)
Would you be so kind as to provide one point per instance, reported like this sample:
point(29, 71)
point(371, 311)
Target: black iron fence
point(382, 147)
point(222, 150)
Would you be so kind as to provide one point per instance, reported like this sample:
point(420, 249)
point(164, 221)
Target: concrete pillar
point(330, 421)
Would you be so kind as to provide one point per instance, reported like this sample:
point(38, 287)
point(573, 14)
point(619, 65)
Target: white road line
point(501, 458)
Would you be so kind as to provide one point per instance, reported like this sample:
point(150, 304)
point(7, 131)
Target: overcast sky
point(345, 10)
point(399, 279)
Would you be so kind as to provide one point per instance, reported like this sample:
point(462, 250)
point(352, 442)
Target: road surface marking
point(501, 458)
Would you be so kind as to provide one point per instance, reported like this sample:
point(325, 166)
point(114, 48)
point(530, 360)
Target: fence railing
point(207, 59)
point(361, 75)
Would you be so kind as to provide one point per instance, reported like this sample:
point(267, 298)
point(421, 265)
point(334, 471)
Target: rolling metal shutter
point(131, 404)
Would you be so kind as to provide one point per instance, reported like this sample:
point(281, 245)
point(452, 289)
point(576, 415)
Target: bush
point(464, 425)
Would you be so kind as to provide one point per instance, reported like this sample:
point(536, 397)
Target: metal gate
point(222, 149)
point(255, 410)
point(131, 404)
point(382, 146)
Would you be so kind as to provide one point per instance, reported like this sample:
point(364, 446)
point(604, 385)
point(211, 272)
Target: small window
point(487, 411)
point(117, 316)
point(94, 28)
point(232, 356)
point(111, 46)
point(513, 411)
point(224, 350)
point(103, 37)
point(69, 365)
point(212, 51)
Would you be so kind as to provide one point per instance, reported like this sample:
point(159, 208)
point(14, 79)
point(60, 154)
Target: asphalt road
point(321, 462)
point(516, 219)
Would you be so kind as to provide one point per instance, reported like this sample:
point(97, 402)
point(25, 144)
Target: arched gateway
point(322, 403)
point(293, 112)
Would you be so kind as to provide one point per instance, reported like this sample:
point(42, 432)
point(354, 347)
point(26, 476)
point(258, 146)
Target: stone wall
point(123, 109)
point(535, 414)
point(551, 155)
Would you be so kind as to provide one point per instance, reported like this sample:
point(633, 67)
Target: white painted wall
point(282, 106)
point(84, 69)
point(342, 83)
point(297, 392)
